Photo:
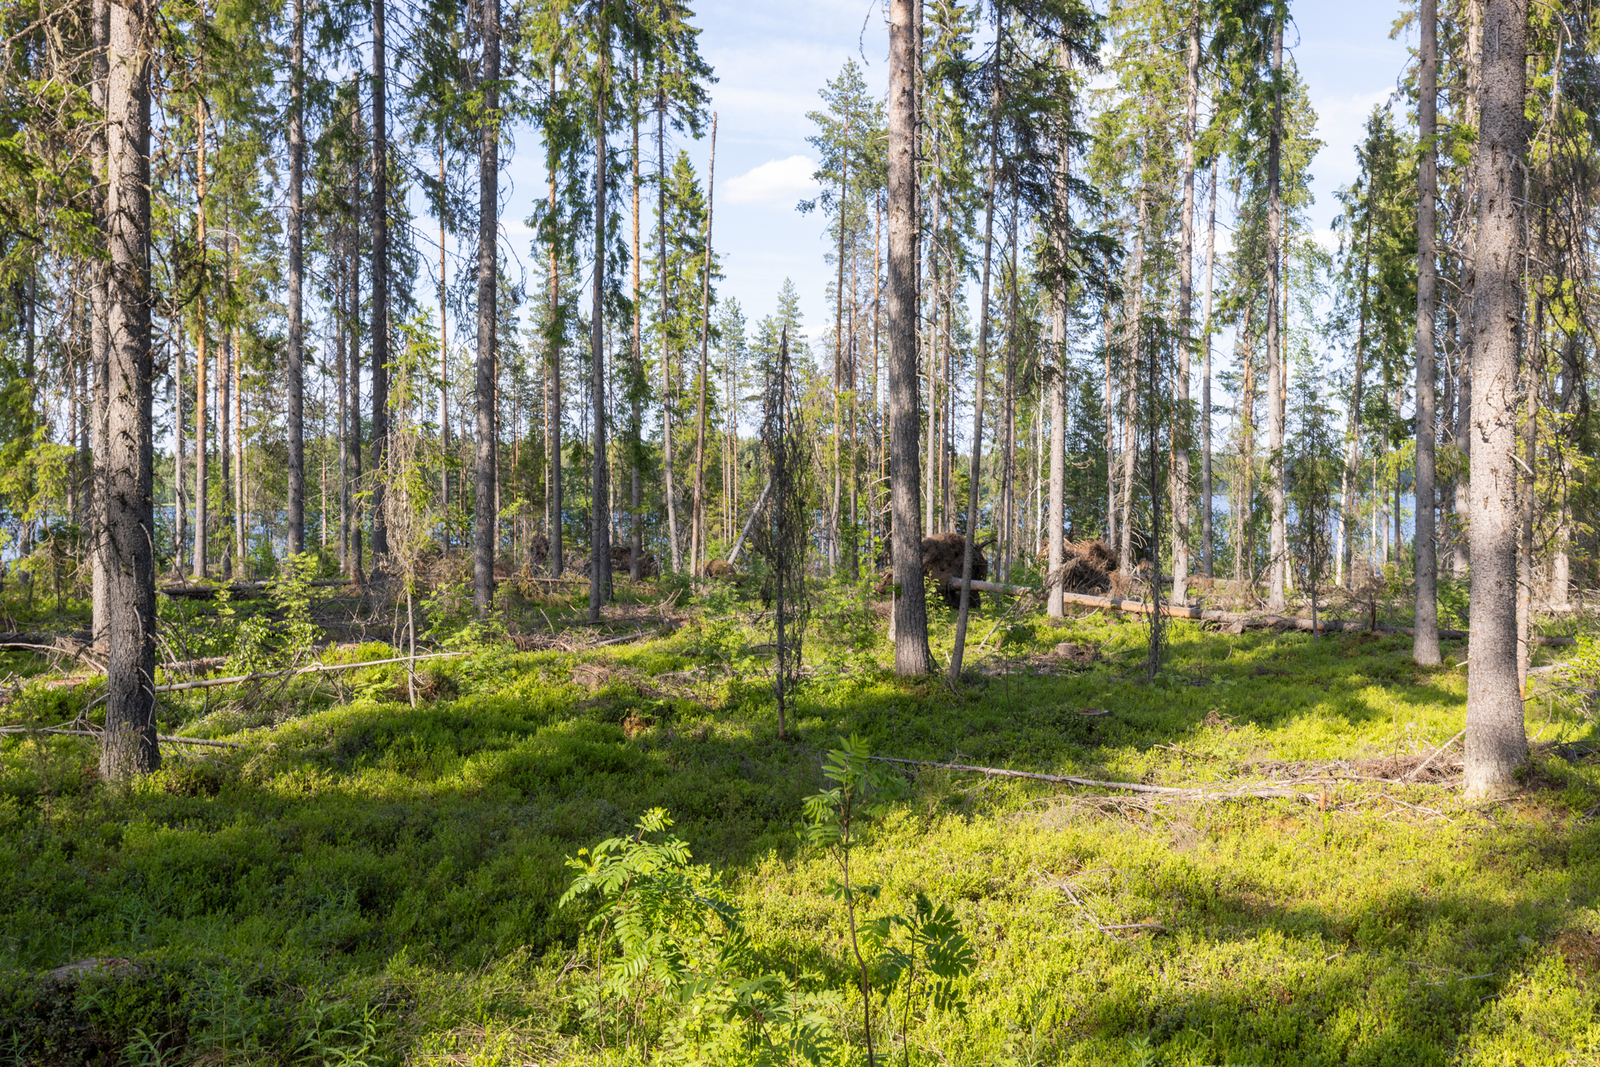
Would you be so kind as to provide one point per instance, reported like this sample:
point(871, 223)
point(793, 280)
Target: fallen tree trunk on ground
point(163, 738)
point(1235, 620)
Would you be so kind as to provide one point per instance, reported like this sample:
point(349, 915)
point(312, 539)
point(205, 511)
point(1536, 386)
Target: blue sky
point(772, 58)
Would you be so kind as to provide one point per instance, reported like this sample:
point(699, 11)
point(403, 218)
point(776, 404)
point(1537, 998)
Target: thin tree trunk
point(1130, 393)
point(485, 514)
point(353, 436)
point(1278, 567)
point(599, 513)
point(636, 371)
point(669, 485)
point(1425, 643)
point(1496, 741)
point(380, 286)
point(225, 358)
point(1206, 539)
point(970, 541)
point(128, 741)
point(296, 354)
point(911, 653)
point(1352, 460)
point(202, 398)
point(1056, 551)
point(444, 364)
point(698, 535)
point(555, 516)
point(1182, 429)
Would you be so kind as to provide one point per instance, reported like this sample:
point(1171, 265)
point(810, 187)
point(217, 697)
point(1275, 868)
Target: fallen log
point(315, 668)
point(1235, 619)
point(1256, 792)
point(96, 733)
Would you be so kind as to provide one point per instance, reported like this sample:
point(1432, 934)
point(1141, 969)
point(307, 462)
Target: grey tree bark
point(911, 653)
point(1206, 548)
point(1058, 382)
point(599, 508)
point(99, 337)
point(1425, 641)
point(380, 284)
point(1278, 567)
point(295, 386)
point(128, 742)
point(485, 520)
point(1496, 742)
point(1182, 417)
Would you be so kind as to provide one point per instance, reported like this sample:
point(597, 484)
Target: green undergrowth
point(367, 881)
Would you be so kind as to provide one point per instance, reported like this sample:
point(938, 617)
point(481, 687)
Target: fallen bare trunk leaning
point(1238, 621)
point(1269, 792)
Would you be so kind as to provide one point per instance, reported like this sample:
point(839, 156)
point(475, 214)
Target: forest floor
point(364, 881)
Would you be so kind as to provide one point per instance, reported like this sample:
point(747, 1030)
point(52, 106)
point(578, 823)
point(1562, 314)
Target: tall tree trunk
point(1206, 539)
point(911, 653)
point(296, 354)
point(1560, 561)
point(380, 286)
point(1133, 349)
point(225, 357)
point(236, 368)
point(353, 436)
point(1425, 643)
point(554, 518)
point(982, 369)
point(202, 397)
point(1183, 418)
point(444, 363)
point(484, 516)
point(128, 742)
point(1352, 458)
point(667, 472)
point(636, 383)
point(697, 549)
point(599, 512)
point(1278, 568)
point(341, 341)
point(1056, 551)
point(180, 445)
point(1496, 741)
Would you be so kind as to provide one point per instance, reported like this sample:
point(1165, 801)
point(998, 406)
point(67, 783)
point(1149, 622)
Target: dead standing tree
point(781, 536)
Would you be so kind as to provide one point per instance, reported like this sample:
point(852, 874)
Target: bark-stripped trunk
point(911, 653)
point(128, 742)
point(1425, 643)
point(1496, 741)
point(485, 517)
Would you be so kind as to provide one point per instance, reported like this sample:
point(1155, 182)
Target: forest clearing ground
point(378, 882)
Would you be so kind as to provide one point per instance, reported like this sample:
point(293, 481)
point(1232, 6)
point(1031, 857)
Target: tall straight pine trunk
point(1496, 742)
point(380, 285)
point(1425, 642)
point(485, 517)
point(295, 386)
point(1278, 565)
point(911, 653)
point(128, 743)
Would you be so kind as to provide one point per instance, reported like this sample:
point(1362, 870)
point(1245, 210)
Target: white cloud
point(778, 182)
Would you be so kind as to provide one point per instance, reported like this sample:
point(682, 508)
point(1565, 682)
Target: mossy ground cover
point(369, 882)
